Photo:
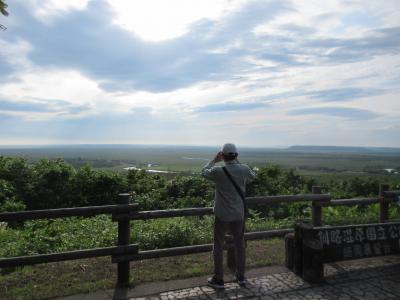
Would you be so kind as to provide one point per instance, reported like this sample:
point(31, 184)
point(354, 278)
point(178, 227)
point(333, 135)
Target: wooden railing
point(124, 212)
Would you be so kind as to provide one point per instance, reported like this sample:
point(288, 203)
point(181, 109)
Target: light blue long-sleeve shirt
point(228, 205)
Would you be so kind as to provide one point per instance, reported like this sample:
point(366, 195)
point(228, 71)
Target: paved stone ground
point(373, 279)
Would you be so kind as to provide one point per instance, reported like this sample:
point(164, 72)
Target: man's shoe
point(215, 283)
point(240, 279)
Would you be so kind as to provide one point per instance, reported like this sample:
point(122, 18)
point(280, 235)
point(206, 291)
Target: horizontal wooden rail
point(257, 235)
point(87, 211)
point(167, 213)
point(350, 202)
point(124, 212)
point(355, 201)
point(391, 193)
point(392, 221)
point(268, 200)
point(77, 254)
point(157, 253)
point(201, 211)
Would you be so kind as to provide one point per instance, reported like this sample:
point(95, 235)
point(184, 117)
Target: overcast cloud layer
point(258, 73)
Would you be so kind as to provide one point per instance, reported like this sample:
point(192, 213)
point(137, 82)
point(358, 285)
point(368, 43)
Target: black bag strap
point(237, 188)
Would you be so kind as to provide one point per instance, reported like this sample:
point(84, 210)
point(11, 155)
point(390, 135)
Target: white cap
point(229, 148)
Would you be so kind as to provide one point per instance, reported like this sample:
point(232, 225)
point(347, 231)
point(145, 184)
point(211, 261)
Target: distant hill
point(342, 149)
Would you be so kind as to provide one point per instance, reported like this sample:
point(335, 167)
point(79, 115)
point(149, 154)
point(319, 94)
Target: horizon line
point(186, 145)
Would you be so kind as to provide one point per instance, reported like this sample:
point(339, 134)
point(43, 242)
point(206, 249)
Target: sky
point(201, 72)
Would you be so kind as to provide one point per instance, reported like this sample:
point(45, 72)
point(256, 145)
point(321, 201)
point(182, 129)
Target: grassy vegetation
point(88, 275)
point(39, 237)
point(43, 236)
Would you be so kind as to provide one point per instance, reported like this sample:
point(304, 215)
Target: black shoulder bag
point(240, 192)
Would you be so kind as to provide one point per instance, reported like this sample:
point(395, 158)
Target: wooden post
point(383, 204)
point(289, 250)
point(298, 247)
point(123, 239)
point(316, 208)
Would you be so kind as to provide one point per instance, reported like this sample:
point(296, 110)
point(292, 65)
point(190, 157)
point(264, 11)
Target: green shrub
point(165, 233)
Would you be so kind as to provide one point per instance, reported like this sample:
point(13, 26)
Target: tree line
point(54, 183)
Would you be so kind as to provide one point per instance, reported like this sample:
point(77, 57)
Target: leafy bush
point(350, 215)
point(47, 236)
point(12, 205)
point(54, 183)
point(8, 201)
point(165, 233)
point(90, 187)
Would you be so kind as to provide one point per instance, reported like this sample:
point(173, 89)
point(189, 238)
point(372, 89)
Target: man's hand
point(218, 157)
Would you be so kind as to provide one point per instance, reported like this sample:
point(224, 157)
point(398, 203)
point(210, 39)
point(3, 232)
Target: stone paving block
point(389, 284)
point(361, 274)
point(325, 292)
point(334, 273)
point(292, 280)
point(191, 293)
point(395, 276)
point(390, 270)
point(362, 290)
point(330, 270)
point(368, 263)
point(231, 291)
point(267, 285)
point(266, 297)
point(351, 272)
point(283, 296)
point(367, 279)
point(367, 273)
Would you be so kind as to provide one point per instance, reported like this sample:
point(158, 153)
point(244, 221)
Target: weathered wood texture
point(391, 193)
point(383, 205)
point(315, 208)
point(167, 213)
point(351, 202)
point(196, 248)
point(124, 231)
point(289, 250)
point(70, 255)
point(267, 200)
point(184, 212)
point(119, 211)
point(88, 211)
point(157, 253)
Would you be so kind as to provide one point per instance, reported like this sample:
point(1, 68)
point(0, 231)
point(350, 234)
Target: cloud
point(12, 58)
point(231, 106)
point(42, 106)
point(88, 41)
point(343, 94)
point(275, 56)
point(342, 50)
point(6, 68)
point(342, 112)
point(113, 127)
point(211, 50)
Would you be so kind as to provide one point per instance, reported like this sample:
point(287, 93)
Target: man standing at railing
point(229, 209)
